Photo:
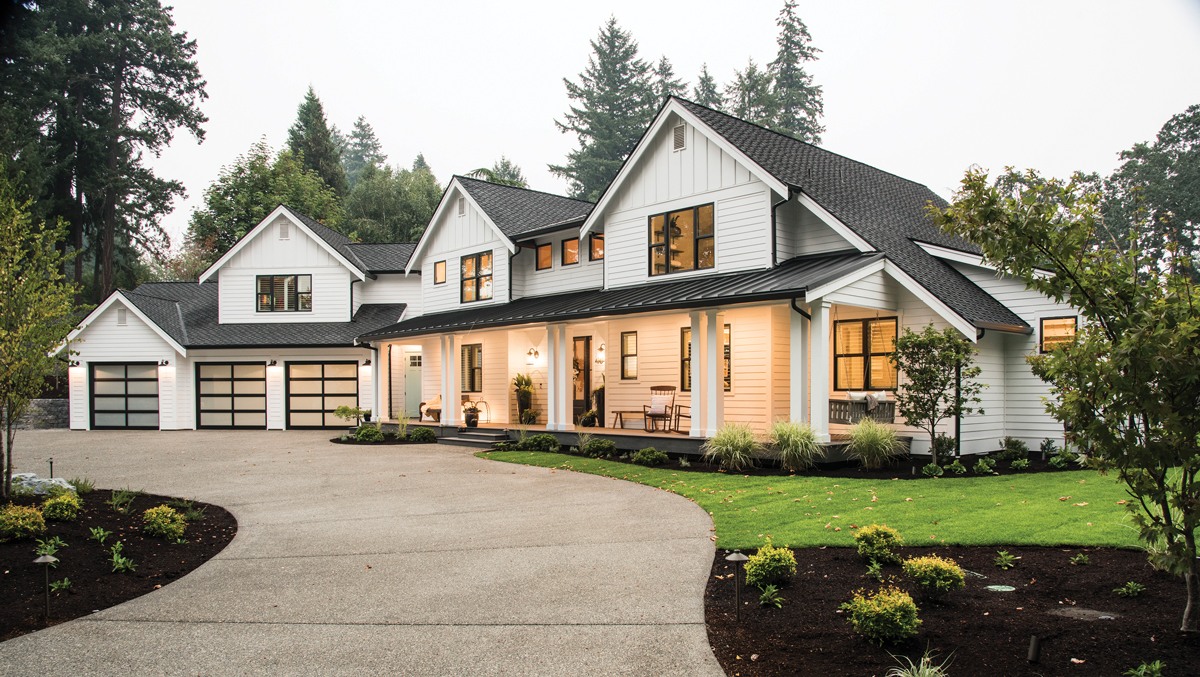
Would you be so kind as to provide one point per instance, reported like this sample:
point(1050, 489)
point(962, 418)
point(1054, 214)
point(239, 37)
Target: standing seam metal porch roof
point(789, 280)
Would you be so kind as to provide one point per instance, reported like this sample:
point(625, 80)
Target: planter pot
point(587, 422)
point(472, 420)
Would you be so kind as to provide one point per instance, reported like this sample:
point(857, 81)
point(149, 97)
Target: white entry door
point(412, 383)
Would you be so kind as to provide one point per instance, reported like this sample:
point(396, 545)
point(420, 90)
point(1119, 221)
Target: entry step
point(474, 438)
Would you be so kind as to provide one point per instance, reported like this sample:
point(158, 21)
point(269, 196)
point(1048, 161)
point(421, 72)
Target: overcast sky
point(922, 89)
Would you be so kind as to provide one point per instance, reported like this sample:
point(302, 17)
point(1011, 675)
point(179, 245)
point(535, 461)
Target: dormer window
point(679, 137)
point(596, 248)
point(476, 277)
point(682, 240)
point(570, 251)
point(545, 256)
point(462, 206)
point(284, 293)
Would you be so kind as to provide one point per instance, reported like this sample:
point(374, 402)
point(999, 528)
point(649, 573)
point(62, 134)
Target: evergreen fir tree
point(310, 139)
point(361, 148)
point(614, 103)
point(750, 96)
point(419, 163)
point(665, 83)
point(800, 104)
point(504, 172)
point(705, 93)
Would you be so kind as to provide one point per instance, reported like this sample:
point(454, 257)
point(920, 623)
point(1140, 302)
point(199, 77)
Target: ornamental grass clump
point(21, 521)
point(935, 575)
point(878, 543)
point(770, 566)
point(164, 522)
point(889, 615)
point(62, 508)
point(873, 444)
point(733, 446)
point(796, 443)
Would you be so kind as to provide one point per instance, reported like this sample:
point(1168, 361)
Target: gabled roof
point(789, 280)
point(381, 258)
point(123, 297)
point(187, 312)
point(519, 212)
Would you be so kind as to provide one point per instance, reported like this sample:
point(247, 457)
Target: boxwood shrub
point(21, 521)
point(878, 543)
point(423, 435)
point(368, 433)
point(770, 566)
point(597, 448)
point(650, 456)
point(889, 615)
point(62, 508)
point(542, 442)
point(164, 522)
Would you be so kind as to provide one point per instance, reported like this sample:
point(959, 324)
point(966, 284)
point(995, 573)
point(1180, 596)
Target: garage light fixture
point(163, 363)
point(272, 363)
point(367, 363)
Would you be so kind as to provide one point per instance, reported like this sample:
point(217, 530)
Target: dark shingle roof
point(884, 209)
point(187, 312)
point(789, 280)
point(518, 212)
point(381, 258)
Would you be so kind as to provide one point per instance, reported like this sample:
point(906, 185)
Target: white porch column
point(799, 368)
point(551, 377)
point(819, 396)
point(564, 373)
point(697, 408)
point(451, 388)
point(714, 375)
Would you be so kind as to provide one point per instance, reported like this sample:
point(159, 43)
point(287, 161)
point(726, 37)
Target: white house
point(760, 276)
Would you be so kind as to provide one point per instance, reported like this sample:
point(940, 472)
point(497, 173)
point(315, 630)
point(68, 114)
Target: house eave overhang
point(1009, 328)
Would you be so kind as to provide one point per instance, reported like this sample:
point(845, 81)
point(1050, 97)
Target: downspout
point(799, 310)
point(957, 415)
point(775, 231)
point(510, 272)
point(352, 281)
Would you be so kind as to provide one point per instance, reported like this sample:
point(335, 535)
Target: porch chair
point(661, 408)
point(432, 409)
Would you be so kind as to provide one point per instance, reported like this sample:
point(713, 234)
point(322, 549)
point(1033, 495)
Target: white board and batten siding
point(390, 288)
point(559, 278)
point(268, 254)
point(454, 237)
point(799, 232)
point(663, 180)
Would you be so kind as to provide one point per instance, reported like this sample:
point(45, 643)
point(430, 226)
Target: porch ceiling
point(789, 280)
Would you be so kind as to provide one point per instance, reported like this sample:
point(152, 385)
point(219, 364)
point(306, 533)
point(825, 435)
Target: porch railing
point(849, 413)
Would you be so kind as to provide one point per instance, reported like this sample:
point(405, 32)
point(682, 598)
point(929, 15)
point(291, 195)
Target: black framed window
point(545, 256)
point(685, 360)
point(1057, 331)
point(570, 251)
point(439, 272)
point(476, 277)
point(682, 240)
point(862, 354)
point(284, 293)
point(472, 368)
point(595, 247)
point(629, 367)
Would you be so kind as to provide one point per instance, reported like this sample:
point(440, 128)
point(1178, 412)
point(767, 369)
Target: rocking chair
point(661, 408)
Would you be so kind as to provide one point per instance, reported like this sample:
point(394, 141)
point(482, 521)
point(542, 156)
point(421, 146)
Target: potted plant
point(588, 420)
point(347, 413)
point(529, 416)
point(523, 387)
point(471, 416)
point(598, 400)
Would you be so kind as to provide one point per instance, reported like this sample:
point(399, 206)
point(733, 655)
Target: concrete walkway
point(408, 560)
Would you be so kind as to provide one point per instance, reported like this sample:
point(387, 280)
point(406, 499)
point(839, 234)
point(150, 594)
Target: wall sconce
point(74, 363)
point(272, 363)
point(367, 363)
point(531, 355)
point(163, 363)
point(600, 355)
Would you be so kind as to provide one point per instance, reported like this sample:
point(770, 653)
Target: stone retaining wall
point(45, 414)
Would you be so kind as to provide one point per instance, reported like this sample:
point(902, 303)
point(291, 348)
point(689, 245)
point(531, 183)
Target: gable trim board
point(967, 258)
point(833, 222)
point(456, 188)
point(113, 298)
point(285, 212)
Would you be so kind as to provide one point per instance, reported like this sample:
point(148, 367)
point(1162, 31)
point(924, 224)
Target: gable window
point(685, 361)
point(595, 247)
point(570, 251)
point(545, 256)
point(472, 368)
point(439, 272)
point(284, 293)
point(862, 350)
point(1057, 331)
point(628, 355)
point(462, 206)
point(682, 240)
point(476, 277)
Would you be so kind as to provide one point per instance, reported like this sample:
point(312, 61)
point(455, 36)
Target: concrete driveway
point(407, 560)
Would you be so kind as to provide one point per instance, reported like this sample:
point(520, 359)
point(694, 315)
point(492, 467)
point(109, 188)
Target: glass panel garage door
point(124, 396)
point(316, 390)
point(232, 395)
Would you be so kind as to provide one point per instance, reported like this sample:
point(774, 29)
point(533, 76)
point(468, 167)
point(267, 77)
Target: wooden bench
point(619, 417)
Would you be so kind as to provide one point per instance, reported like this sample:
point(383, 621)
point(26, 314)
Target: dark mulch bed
point(387, 441)
point(988, 632)
point(94, 586)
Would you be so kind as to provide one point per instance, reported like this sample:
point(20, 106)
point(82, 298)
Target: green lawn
point(816, 511)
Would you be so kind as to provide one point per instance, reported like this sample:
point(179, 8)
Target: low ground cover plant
point(874, 444)
point(796, 443)
point(889, 615)
point(771, 597)
point(1012, 449)
point(935, 576)
point(122, 499)
point(932, 470)
point(650, 457)
point(985, 466)
point(734, 447)
point(21, 521)
point(62, 508)
point(82, 485)
point(957, 467)
point(878, 543)
point(1005, 560)
point(1130, 589)
point(770, 566)
point(164, 522)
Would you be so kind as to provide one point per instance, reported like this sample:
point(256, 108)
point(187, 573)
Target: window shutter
point(284, 230)
point(680, 138)
point(122, 318)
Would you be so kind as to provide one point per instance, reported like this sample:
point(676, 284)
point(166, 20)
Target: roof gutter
point(995, 326)
point(775, 229)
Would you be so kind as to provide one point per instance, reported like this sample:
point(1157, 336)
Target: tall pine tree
point(309, 138)
point(750, 96)
point(665, 83)
point(614, 103)
point(799, 101)
point(361, 148)
point(705, 92)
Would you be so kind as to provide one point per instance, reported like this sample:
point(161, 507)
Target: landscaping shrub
point(770, 566)
point(878, 543)
point(935, 575)
point(796, 443)
point(932, 470)
point(505, 445)
point(1049, 448)
point(889, 615)
point(985, 466)
point(543, 442)
point(1020, 464)
point(597, 447)
point(368, 433)
point(957, 467)
point(873, 444)
point(944, 446)
point(1057, 462)
point(422, 435)
point(21, 521)
point(733, 446)
point(650, 456)
point(164, 522)
point(1013, 449)
point(62, 508)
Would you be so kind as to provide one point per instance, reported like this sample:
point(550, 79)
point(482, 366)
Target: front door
point(582, 359)
point(412, 384)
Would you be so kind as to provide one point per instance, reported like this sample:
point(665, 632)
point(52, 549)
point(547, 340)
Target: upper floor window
point(284, 293)
point(682, 240)
point(477, 277)
point(629, 355)
point(862, 354)
point(570, 251)
point(1057, 331)
point(545, 256)
point(439, 272)
point(596, 247)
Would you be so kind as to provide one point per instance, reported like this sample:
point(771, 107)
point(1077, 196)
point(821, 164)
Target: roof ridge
point(528, 190)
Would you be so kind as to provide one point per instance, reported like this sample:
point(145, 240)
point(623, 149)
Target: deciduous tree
point(391, 204)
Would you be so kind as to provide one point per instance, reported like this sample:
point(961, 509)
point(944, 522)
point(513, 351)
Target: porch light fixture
point(737, 558)
point(600, 355)
point(531, 355)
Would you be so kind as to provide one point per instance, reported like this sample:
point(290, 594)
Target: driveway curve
point(392, 560)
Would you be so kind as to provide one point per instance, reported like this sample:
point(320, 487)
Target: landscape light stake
point(52, 467)
point(1035, 649)
point(737, 558)
point(46, 561)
